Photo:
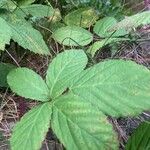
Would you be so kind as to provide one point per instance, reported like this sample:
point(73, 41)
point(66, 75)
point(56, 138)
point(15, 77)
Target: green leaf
point(7, 4)
point(56, 17)
point(99, 44)
point(103, 26)
point(28, 84)
point(36, 10)
point(5, 68)
point(72, 36)
point(63, 69)
point(84, 17)
point(133, 21)
point(25, 2)
point(116, 87)
point(29, 133)
point(55, 26)
point(3, 2)
point(27, 37)
point(140, 139)
point(81, 126)
point(5, 34)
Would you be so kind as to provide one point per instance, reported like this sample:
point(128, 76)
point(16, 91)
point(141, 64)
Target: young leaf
point(36, 10)
point(81, 126)
point(5, 33)
point(4, 70)
point(99, 44)
point(84, 17)
point(140, 139)
point(27, 37)
point(103, 26)
point(63, 69)
point(29, 133)
point(28, 84)
point(133, 21)
point(72, 36)
point(116, 87)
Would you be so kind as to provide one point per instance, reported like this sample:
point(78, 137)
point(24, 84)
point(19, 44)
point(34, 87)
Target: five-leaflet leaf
point(80, 99)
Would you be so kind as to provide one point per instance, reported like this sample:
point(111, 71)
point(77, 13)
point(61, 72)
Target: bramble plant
point(17, 20)
point(108, 29)
point(75, 101)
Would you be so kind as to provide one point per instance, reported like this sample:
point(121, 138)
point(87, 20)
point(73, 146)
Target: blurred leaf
point(99, 44)
point(55, 17)
point(140, 139)
point(5, 68)
point(84, 17)
point(36, 10)
point(7, 4)
point(55, 26)
point(3, 2)
point(103, 26)
point(133, 21)
point(25, 2)
point(5, 33)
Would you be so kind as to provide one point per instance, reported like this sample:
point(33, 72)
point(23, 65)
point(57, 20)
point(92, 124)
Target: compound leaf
point(103, 26)
point(63, 69)
point(5, 34)
point(72, 36)
point(84, 17)
point(140, 139)
point(116, 87)
point(5, 68)
point(32, 128)
point(80, 126)
point(28, 84)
